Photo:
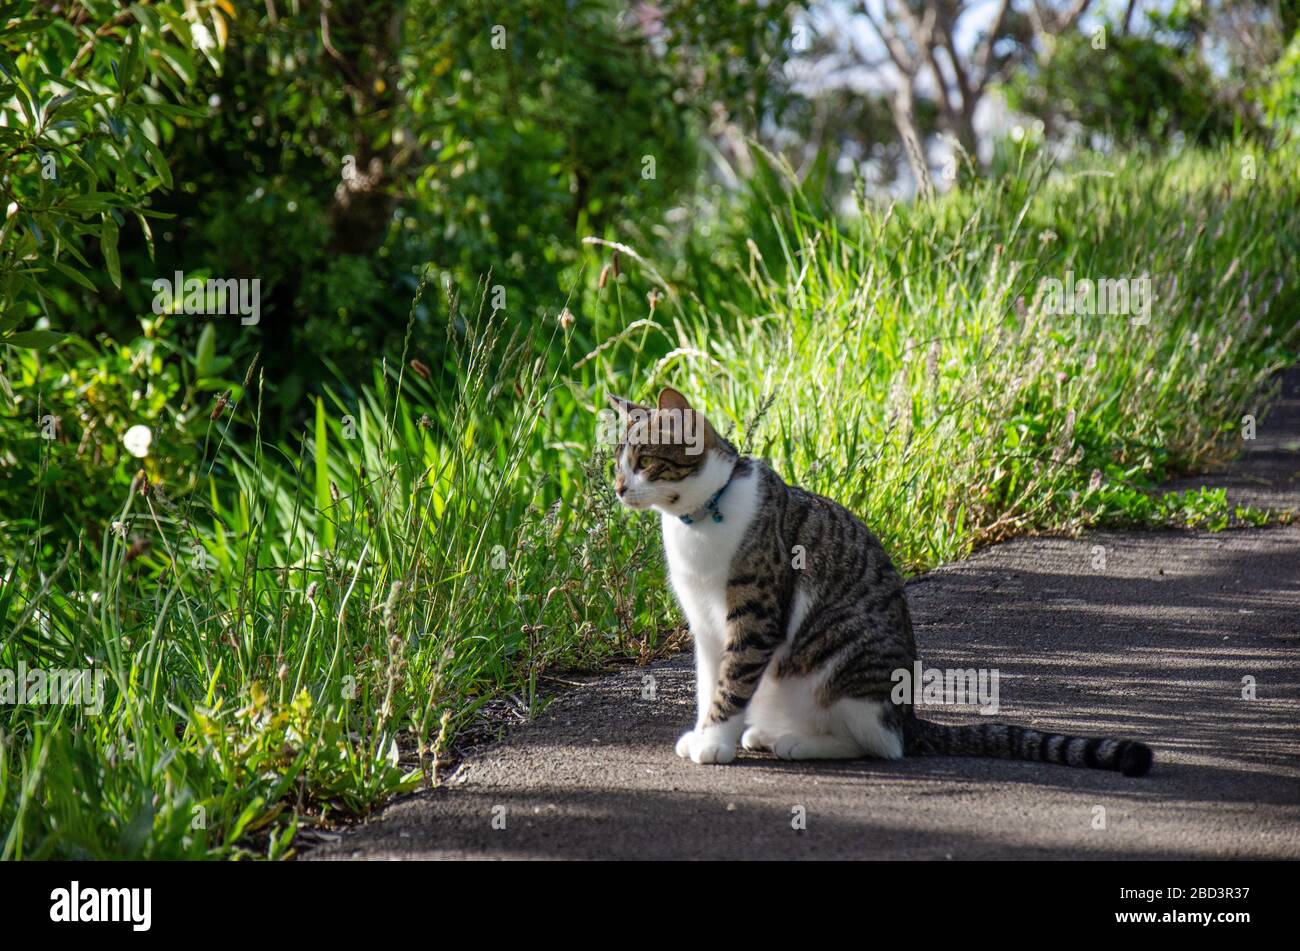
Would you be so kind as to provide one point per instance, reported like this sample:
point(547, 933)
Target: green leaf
point(180, 60)
point(156, 159)
point(206, 383)
point(323, 476)
point(30, 26)
point(108, 244)
point(88, 203)
point(72, 274)
point(53, 105)
point(34, 339)
point(131, 59)
point(148, 232)
point(146, 16)
point(206, 350)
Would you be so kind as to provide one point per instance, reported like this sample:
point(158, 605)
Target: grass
point(306, 633)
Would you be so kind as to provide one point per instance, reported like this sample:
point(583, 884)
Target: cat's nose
point(620, 489)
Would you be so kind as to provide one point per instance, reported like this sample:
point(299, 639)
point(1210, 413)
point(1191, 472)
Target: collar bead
point(710, 508)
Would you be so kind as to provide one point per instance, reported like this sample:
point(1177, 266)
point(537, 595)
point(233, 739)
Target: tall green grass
point(308, 634)
point(906, 365)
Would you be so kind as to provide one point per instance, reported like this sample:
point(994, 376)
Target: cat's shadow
point(1178, 784)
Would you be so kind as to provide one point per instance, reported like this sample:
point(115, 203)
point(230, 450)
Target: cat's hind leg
point(755, 738)
point(815, 746)
point(855, 727)
point(872, 724)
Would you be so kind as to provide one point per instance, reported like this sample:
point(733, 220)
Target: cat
point(798, 616)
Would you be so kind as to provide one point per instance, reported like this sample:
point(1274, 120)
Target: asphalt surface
point(1154, 646)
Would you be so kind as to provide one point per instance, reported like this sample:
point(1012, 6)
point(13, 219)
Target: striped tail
point(926, 738)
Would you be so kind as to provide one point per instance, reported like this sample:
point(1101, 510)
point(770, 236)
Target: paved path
point(1153, 647)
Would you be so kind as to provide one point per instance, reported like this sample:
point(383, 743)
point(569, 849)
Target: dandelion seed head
point(137, 440)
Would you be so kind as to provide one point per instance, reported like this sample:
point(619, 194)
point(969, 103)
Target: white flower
point(137, 440)
point(202, 37)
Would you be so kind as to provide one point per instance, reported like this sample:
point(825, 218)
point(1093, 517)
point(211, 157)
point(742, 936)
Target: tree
point(1158, 72)
point(346, 144)
point(87, 96)
point(919, 55)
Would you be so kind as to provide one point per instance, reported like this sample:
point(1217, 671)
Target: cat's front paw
point(705, 746)
point(684, 744)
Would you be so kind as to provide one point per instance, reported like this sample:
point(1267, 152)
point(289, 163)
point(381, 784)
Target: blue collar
point(709, 508)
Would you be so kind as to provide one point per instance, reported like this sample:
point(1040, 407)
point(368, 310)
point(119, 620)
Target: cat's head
point(668, 456)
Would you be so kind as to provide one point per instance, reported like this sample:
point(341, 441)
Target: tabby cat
point(795, 658)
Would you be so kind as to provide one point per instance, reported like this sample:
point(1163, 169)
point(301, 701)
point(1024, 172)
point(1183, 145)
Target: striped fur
point(798, 615)
point(925, 738)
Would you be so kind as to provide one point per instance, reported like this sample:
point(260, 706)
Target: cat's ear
point(671, 399)
point(625, 406)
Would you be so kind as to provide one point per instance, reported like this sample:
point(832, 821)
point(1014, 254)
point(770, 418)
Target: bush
point(1135, 89)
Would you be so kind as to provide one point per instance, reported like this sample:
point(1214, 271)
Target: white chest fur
point(700, 556)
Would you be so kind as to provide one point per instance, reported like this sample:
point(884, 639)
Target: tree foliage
point(87, 102)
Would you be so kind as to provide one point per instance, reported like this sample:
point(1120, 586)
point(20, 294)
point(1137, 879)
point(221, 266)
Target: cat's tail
point(926, 738)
